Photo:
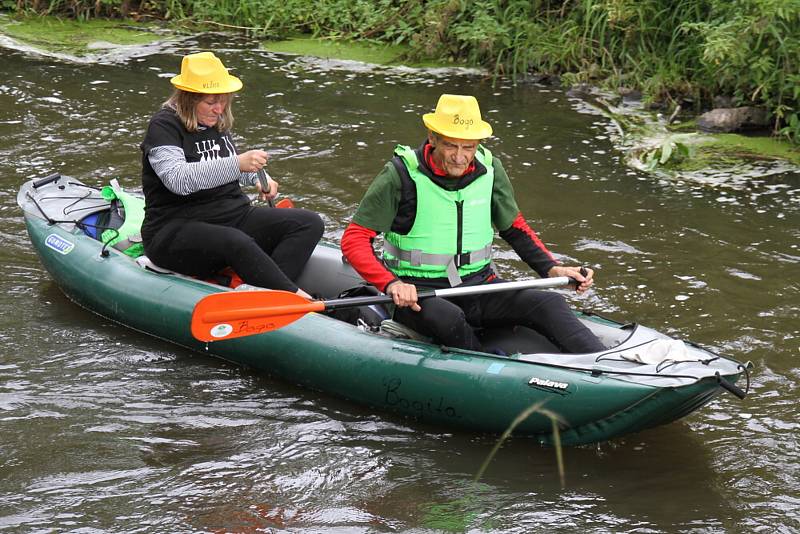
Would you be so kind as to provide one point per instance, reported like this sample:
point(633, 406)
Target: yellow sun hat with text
point(459, 117)
point(205, 73)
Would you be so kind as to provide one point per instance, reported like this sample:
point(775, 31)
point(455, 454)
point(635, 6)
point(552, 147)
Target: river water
point(105, 429)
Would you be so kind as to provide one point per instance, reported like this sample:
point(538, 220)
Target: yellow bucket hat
point(459, 117)
point(205, 73)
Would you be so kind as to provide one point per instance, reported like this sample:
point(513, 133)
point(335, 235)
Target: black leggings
point(266, 247)
point(450, 322)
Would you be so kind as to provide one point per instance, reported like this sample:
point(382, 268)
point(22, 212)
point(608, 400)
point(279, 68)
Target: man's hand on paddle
point(585, 280)
point(404, 295)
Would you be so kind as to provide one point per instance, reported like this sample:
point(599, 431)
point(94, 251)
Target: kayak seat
point(226, 277)
point(504, 340)
point(517, 340)
point(145, 263)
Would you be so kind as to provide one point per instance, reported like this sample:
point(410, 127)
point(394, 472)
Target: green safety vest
point(127, 237)
point(452, 232)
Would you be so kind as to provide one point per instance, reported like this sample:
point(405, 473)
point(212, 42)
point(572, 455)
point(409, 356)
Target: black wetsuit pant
point(266, 247)
point(451, 321)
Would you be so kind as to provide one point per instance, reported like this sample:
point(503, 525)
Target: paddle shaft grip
point(263, 179)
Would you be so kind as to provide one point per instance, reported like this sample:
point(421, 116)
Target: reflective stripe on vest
point(127, 237)
point(444, 219)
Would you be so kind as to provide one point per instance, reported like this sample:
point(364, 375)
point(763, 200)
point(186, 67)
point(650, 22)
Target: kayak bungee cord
point(661, 366)
point(666, 362)
point(79, 223)
point(725, 384)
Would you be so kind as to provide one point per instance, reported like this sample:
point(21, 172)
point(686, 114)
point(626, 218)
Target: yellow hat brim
point(231, 85)
point(435, 123)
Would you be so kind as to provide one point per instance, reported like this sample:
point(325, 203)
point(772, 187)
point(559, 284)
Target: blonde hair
point(185, 103)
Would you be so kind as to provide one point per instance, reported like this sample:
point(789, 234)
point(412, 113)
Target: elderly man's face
point(452, 155)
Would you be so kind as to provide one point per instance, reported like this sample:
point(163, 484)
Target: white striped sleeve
point(248, 178)
point(184, 178)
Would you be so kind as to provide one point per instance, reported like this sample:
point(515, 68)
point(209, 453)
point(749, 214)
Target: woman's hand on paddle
point(252, 160)
point(583, 275)
point(404, 295)
point(267, 195)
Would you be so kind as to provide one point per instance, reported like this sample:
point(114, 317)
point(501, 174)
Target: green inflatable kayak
point(644, 379)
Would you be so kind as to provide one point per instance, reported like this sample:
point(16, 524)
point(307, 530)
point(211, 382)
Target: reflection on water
point(106, 429)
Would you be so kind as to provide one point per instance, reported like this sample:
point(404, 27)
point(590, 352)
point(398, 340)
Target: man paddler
point(436, 205)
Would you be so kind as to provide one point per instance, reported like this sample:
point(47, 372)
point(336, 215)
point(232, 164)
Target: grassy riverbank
point(569, 46)
point(678, 53)
point(81, 37)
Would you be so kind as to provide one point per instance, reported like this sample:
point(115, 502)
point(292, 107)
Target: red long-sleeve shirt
point(357, 248)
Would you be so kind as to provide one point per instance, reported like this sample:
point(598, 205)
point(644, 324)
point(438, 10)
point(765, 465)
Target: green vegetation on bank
point(684, 52)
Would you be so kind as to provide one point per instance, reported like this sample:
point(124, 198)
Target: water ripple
point(105, 429)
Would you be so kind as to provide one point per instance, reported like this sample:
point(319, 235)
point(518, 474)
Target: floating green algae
point(76, 37)
point(753, 146)
point(732, 151)
point(650, 144)
point(366, 52)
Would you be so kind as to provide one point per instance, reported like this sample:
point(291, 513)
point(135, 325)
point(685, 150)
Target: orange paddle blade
point(284, 203)
point(233, 314)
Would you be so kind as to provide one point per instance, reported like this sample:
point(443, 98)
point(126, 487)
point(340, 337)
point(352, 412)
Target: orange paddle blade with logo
point(232, 314)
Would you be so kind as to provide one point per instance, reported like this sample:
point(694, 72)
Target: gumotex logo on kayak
point(59, 244)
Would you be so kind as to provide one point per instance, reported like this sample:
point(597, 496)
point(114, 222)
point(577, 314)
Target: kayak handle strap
point(730, 387)
point(46, 180)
